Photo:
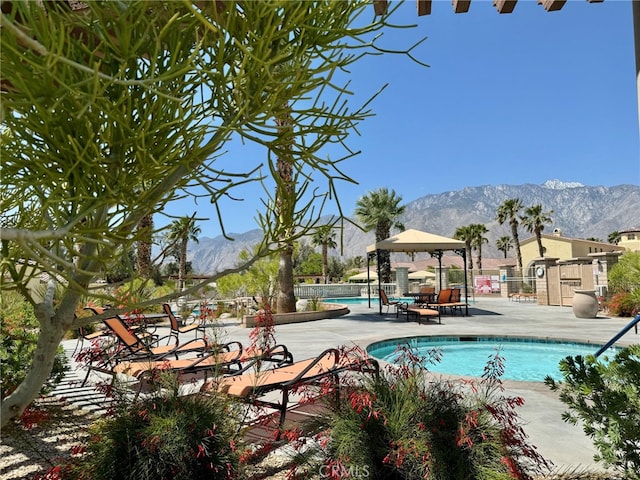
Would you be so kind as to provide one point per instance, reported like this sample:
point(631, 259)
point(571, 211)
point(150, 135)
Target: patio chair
point(223, 359)
point(128, 346)
point(419, 312)
point(249, 387)
point(137, 347)
point(426, 295)
point(83, 336)
point(449, 298)
point(396, 304)
point(177, 328)
point(442, 300)
point(456, 303)
point(135, 322)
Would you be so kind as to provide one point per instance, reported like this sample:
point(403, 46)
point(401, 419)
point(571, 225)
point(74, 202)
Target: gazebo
point(413, 241)
point(363, 276)
point(421, 275)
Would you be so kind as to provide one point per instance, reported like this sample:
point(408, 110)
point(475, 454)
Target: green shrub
point(18, 339)
point(623, 304)
point(606, 397)
point(624, 276)
point(624, 283)
point(404, 424)
point(163, 437)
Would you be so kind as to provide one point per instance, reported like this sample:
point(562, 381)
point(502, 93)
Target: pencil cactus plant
point(110, 110)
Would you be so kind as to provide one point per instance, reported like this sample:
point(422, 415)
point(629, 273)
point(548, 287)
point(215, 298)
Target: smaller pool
point(526, 359)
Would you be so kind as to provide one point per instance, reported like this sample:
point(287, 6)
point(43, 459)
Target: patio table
point(421, 298)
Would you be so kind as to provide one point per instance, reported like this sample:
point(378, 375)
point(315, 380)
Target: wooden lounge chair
point(249, 387)
point(396, 304)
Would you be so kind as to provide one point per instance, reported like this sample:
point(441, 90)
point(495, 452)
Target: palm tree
point(379, 210)
point(357, 261)
point(285, 207)
point(466, 235)
point(614, 237)
point(508, 212)
point(324, 237)
point(534, 220)
point(143, 253)
point(183, 230)
point(504, 245)
point(478, 238)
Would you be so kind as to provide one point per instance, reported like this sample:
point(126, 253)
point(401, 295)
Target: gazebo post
point(466, 290)
point(379, 284)
point(463, 253)
point(438, 253)
point(370, 255)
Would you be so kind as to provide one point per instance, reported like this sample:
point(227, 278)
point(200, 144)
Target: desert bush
point(624, 276)
point(164, 436)
point(406, 424)
point(606, 397)
point(624, 283)
point(18, 338)
point(624, 304)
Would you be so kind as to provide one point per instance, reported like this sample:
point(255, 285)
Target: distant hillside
point(579, 211)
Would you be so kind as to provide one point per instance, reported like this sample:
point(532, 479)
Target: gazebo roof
point(421, 274)
point(416, 241)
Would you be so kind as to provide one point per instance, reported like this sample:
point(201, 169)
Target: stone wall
point(329, 311)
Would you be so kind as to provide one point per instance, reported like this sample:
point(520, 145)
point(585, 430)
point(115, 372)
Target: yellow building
point(630, 239)
point(562, 248)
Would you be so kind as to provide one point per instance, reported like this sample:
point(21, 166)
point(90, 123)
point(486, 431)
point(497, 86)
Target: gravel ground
point(25, 454)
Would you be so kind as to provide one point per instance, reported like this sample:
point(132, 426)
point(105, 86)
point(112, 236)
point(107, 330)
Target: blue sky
point(507, 99)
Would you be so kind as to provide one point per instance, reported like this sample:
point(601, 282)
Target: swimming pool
point(360, 300)
point(526, 359)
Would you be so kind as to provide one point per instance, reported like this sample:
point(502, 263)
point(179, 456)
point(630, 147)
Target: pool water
point(360, 300)
point(525, 359)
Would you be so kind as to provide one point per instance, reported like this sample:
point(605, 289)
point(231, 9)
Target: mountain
point(579, 211)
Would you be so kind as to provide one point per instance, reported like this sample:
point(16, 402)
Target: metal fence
point(330, 290)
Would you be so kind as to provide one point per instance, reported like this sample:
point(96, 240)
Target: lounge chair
point(442, 300)
point(137, 347)
point(129, 346)
point(177, 328)
point(456, 302)
point(249, 387)
point(134, 322)
point(223, 359)
point(83, 336)
point(396, 304)
point(448, 298)
point(426, 295)
point(420, 312)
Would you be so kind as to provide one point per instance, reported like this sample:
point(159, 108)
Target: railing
point(629, 326)
point(329, 290)
point(337, 290)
